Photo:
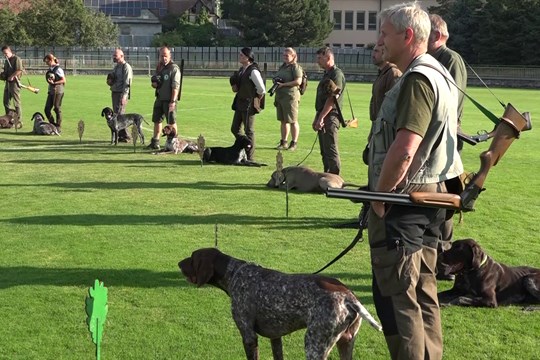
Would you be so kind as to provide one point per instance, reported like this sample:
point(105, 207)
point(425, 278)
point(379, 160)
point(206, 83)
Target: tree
point(61, 23)
point(280, 22)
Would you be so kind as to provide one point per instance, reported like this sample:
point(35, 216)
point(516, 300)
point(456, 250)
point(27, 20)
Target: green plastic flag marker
point(134, 137)
point(80, 127)
point(96, 309)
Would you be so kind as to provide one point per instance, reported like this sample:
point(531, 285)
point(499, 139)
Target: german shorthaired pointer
point(273, 304)
point(483, 282)
point(41, 127)
point(118, 122)
point(174, 144)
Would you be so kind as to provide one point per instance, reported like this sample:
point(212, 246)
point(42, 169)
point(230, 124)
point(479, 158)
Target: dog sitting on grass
point(8, 121)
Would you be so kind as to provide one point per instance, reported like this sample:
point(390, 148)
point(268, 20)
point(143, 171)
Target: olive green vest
point(437, 158)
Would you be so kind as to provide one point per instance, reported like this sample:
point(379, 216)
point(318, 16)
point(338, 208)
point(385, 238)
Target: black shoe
point(282, 145)
point(154, 145)
point(292, 146)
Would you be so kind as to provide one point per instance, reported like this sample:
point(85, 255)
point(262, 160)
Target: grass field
point(76, 211)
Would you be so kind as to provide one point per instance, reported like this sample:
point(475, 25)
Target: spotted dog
point(273, 304)
point(41, 127)
point(175, 145)
point(123, 121)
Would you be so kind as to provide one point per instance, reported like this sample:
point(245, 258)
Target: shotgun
point(506, 131)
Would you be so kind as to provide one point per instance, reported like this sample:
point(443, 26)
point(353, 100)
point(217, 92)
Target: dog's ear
point(203, 264)
point(477, 255)
point(103, 112)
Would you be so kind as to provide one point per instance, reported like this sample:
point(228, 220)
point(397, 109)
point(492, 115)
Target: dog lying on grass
point(274, 304)
point(232, 155)
point(483, 282)
point(305, 180)
point(175, 145)
point(41, 127)
point(8, 121)
point(123, 121)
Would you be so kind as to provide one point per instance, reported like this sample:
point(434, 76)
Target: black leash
point(362, 224)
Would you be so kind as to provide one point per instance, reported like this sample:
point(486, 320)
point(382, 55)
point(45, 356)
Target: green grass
point(74, 212)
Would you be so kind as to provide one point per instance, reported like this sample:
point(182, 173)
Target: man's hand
point(378, 208)
point(172, 106)
point(318, 124)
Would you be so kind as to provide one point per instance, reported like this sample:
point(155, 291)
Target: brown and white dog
point(483, 282)
point(175, 145)
point(306, 180)
point(273, 304)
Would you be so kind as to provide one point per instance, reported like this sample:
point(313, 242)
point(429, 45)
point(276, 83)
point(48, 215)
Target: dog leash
point(310, 151)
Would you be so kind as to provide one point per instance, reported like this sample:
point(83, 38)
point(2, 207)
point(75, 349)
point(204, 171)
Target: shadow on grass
point(28, 275)
point(276, 222)
point(123, 185)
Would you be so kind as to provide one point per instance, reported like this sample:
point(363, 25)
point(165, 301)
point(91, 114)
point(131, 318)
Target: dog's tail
point(364, 313)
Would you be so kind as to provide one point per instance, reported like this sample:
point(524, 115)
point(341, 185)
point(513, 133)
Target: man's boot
point(154, 144)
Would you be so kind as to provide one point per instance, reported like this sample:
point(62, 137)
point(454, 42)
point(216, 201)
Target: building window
point(349, 20)
point(336, 46)
point(337, 20)
point(347, 46)
point(360, 20)
point(360, 45)
point(372, 21)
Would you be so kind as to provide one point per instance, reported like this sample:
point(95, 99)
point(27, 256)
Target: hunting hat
point(248, 53)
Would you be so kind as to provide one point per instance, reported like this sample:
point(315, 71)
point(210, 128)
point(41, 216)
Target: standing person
point(326, 121)
point(456, 66)
point(248, 85)
point(388, 74)
point(120, 84)
point(412, 149)
point(166, 81)
point(288, 79)
point(12, 75)
point(56, 80)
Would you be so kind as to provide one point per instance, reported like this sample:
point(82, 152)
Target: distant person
point(120, 84)
point(248, 85)
point(56, 80)
point(326, 121)
point(166, 81)
point(456, 66)
point(387, 76)
point(12, 74)
point(287, 99)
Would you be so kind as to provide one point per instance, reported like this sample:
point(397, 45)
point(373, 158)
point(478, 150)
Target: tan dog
point(306, 180)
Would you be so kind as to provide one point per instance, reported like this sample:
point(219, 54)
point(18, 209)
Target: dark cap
point(248, 53)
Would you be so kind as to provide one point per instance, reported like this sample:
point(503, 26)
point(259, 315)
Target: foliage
point(188, 34)
point(280, 22)
point(495, 32)
point(58, 23)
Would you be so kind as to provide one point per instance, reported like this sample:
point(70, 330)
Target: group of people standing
point(55, 78)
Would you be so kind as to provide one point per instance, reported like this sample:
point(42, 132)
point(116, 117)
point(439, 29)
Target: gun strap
point(480, 107)
point(356, 239)
point(350, 103)
point(340, 114)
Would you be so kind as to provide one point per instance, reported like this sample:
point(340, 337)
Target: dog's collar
point(484, 261)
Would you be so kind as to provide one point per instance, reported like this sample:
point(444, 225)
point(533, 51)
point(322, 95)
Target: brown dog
point(306, 180)
point(273, 304)
point(483, 282)
point(8, 121)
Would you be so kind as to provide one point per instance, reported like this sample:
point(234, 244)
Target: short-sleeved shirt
point(170, 79)
point(58, 74)
point(415, 104)
point(336, 75)
point(288, 72)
